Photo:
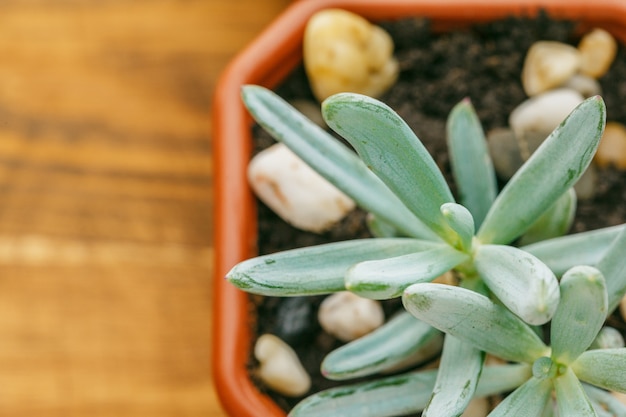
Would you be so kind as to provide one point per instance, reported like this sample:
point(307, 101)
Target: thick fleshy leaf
point(529, 400)
point(496, 379)
point(570, 396)
point(476, 319)
point(587, 248)
point(553, 168)
point(459, 370)
point(461, 221)
point(555, 222)
point(401, 340)
point(392, 151)
point(315, 269)
point(380, 228)
point(387, 278)
point(521, 281)
point(605, 400)
point(390, 396)
point(605, 368)
point(398, 395)
point(550, 409)
point(471, 164)
point(613, 267)
point(599, 409)
point(580, 314)
point(331, 159)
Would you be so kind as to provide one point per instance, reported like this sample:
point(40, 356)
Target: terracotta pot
point(266, 61)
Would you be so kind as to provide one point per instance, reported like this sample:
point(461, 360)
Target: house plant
point(385, 267)
point(265, 62)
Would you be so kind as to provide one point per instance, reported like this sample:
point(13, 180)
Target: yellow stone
point(279, 367)
point(447, 278)
point(612, 148)
point(343, 52)
point(597, 50)
point(548, 64)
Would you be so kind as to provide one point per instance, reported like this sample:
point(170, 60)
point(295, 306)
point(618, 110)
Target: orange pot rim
point(266, 61)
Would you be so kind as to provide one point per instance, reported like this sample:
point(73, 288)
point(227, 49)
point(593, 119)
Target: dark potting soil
point(437, 71)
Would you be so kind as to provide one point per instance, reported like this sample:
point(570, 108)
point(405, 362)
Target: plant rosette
point(452, 235)
point(439, 234)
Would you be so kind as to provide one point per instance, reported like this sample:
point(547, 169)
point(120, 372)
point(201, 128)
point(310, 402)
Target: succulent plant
point(578, 352)
point(423, 232)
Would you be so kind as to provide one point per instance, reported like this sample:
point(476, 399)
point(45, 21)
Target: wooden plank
point(106, 199)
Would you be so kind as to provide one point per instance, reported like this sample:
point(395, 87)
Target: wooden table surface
point(106, 202)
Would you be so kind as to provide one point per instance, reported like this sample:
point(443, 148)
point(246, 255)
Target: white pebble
point(548, 64)
point(608, 338)
point(347, 316)
point(509, 152)
point(597, 50)
point(343, 52)
point(295, 192)
point(279, 367)
point(505, 152)
point(585, 187)
point(544, 112)
point(585, 85)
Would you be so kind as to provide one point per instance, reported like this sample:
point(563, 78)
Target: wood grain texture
point(106, 200)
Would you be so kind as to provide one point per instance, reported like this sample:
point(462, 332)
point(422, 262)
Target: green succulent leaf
point(401, 340)
point(520, 281)
point(496, 379)
point(459, 370)
point(570, 396)
point(474, 318)
point(529, 400)
point(390, 396)
point(392, 151)
point(399, 394)
point(580, 314)
point(586, 248)
point(380, 228)
point(470, 161)
point(604, 368)
point(550, 409)
point(553, 168)
point(555, 222)
point(387, 278)
point(599, 409)
point(460, 220)
point(300, 272)
point(331, 159)
point(613, 267)
point(605, 400)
